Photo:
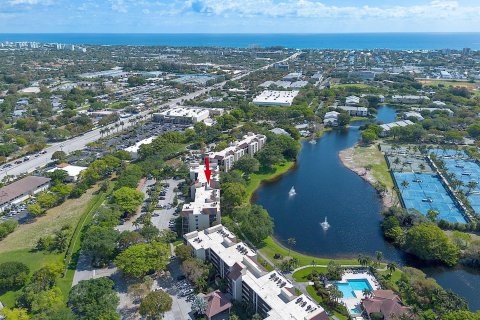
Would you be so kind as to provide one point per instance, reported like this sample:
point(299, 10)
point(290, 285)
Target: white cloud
point(29, 2)
point(316, 9)
point(119, 6)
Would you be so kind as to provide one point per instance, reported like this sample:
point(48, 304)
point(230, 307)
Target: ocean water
point(407, 41)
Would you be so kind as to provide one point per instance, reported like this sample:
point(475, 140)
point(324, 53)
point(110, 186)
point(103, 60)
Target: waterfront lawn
point(257, 178)
point(302, 274)
point(391, 280)
point(270, 248)
point(370, 155)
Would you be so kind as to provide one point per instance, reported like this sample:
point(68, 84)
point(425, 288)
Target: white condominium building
point(204, 211)
point(249, 145)
point(270, 293)
point(410, 99)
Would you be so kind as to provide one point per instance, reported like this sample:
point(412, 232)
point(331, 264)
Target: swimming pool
point(350, 286)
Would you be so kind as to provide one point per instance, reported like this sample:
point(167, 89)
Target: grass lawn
point(18, 245)
point(257, 178)
point(434, 82)
point(370, 155)
point(353, 85)
point(271, 247)
point(34, 260)
point(301, 275)
point(393, 278)
point(27, 235)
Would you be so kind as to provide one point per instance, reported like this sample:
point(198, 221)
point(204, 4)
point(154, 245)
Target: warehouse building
point(275, 98)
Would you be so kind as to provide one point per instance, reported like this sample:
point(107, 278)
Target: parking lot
point(138, 134)
point(164, 216)
point(181, 292)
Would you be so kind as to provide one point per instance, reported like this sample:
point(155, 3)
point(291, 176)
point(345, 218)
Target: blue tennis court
point(448, 153)
point(425, 192)
point(466, 171)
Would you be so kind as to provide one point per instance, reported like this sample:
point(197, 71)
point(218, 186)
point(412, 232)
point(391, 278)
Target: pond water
point(325, 188)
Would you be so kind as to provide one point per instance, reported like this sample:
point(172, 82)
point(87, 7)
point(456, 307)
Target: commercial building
point(21, 190)
point(182, 115)
point(410, 99)
point(388, 126)
point(275, 98)
point(269, 293)
point(355, 111)
point(204, 210)
point(249, 145)
point(73, 172)
point(133, 150)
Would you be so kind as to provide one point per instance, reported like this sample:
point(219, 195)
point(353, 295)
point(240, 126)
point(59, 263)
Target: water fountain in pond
point(325, 225)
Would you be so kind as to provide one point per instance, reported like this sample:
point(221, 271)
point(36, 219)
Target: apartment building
point(409, 99)
point(249, 145)
point(269, 293)
point(204, 209)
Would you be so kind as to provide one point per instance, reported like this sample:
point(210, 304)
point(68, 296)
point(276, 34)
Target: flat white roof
point(205, 195)
point(272, 287)
point(388, 126)
point(249, 138)
point(72, 171)
point(273, 97)
point(137, 145)
point(184, 112)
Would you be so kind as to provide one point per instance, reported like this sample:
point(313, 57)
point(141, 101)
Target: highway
point(79, 142)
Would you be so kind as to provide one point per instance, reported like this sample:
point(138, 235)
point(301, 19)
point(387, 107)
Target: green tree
point(429, 242)
point(13, 275)
point(15, 314)
point(197, 272)
point(248, 165)
point(183, 252)
point(128, 199)
point(233, 195)
point(94, 299)
point(100, 243)
point(141, 259)
point(462, 315)
point(59, 155)
point(155, 304)
point(432, 214)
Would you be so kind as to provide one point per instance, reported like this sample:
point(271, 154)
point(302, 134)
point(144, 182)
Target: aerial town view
point(229, 160)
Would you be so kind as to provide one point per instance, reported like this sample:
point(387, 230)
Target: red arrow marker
point(207, 170)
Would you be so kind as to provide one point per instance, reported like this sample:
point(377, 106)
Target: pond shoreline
point(346, 158)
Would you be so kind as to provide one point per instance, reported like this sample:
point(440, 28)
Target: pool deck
point(355, 303)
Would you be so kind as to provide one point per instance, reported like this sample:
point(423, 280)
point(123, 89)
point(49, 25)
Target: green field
point(370, 155)
point(353, 85)
point(272, 247)
point(301, 275)
point(468, 85)
point(19, 246)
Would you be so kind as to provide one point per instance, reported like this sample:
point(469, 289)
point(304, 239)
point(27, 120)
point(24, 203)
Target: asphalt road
point(80, 142)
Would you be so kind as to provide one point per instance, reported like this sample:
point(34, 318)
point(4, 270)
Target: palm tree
point(405, 184)
point(422, 166)
point(391, 266)
point(367, 293)
point(291, 242)
point(379, 256)
point(471, 185)
point(334, 293)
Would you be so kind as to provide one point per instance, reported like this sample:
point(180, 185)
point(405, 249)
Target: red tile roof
point(217, 303)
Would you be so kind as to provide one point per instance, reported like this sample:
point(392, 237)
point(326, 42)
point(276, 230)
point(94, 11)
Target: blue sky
point(238, 16)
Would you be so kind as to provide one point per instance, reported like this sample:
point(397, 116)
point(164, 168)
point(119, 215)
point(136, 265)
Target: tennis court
point(425, 192)
point(466, 171)
point(448, 153)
